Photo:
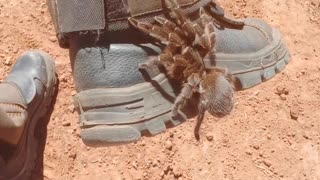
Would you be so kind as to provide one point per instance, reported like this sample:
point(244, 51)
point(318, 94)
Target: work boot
point(24, 99)
point(118, 103)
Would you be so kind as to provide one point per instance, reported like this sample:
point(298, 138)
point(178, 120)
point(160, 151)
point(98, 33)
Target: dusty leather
point(143, 10)
point(110, 58)
point(13, 103)
point(109, 14)
point(13, 113)
point(20, 95)
point(115, 65)
point(107, 67)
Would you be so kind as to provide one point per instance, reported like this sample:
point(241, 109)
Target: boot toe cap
point(254, 36)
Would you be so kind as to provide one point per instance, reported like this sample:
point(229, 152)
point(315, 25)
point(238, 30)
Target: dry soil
point(273, 132)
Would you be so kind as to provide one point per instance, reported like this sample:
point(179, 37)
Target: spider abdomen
point(218, 95)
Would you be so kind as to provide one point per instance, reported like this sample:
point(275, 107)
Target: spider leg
point(170, 26)
point(206, 41)
point(175, 8)
point(200, 118)
point(166, 23)
point(180, 100)
point(186, 93)
point(205, 18)
point(208, 37)
point(155, 31)
point(182, 21)
point(210, 34)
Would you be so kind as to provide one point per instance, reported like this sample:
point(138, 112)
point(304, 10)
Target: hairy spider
point(187, 45)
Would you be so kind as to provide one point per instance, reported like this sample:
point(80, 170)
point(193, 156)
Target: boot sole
point(122, 115)
point(28, 146)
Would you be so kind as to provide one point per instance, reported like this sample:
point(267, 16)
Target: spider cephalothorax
point(187, 44)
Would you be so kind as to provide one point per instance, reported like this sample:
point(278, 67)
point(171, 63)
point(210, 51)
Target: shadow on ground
point(41, 135)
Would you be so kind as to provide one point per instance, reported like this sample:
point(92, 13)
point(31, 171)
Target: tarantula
point(187, 45)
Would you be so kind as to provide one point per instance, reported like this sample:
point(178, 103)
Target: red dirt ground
point(259, 140)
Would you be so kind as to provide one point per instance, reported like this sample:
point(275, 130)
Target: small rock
point(167, 169)
point(66, 124)
point(145, 175)
point(305, 136)
point(63, 78)
point(256, 147)
point(73, 155)
point(294, 112)
point(171, 135)
point(269, 136)
point(16, 50)
point(261, 155)
point(256, 93)
point(71, 108)
point(283, 97)
point(282, 90)
point(248, 152)
point(73, 93)
point(53, 39)
point(135, 165)
point(8, 62)
point(177, 172)
point(168, 145)
point(209, 137)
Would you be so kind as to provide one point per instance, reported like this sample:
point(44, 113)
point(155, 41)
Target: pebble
point(53, 39)
point(171, 135)
point(168, 145)
point(73, 93)
point(73, 155)
point(154, 163)
point(305, 136)
point(256, 147)
point(269, 136)
point(71, 108)
point(66, 124)
point(167, 169)
point(135, 165)
point(8, 62)
point(283, 97)
point(282, 90)
point(248, 152)
point(294, 112)
point(209, 137)
point(177, 172)
point(63, 78)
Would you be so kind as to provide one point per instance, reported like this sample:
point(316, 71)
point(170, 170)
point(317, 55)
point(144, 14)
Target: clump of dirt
point(273, 132)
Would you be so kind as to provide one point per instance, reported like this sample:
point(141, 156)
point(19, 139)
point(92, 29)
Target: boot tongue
point(12, 106)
